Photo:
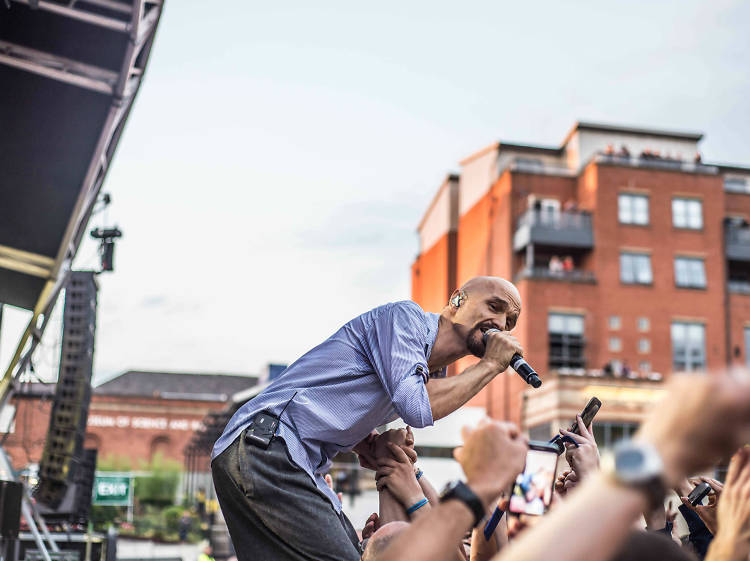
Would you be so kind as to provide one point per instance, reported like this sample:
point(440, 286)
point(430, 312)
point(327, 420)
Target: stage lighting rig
point(107, 237)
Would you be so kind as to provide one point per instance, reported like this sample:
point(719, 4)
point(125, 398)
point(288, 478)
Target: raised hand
point(396, 473)
point(584, 459)
point(492, 455)
point(707, 512)
point(732, 538)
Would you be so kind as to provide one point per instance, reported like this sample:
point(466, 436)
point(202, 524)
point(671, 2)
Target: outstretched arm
point(448, 394)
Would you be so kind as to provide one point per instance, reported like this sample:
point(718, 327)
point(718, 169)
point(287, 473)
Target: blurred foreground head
point(651, 546)
point(381, 539)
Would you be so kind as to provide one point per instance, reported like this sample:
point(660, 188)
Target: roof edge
point(449, 178)
point(607, 127)
point(732, 167)
point(479, 153)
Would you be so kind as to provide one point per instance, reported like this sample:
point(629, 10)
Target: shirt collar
point(433, 321)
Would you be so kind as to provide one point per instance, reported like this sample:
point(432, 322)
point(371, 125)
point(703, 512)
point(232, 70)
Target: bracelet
point(419, 474)
point(416, 506)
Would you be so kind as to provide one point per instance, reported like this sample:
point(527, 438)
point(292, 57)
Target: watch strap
point(654, 489)
point(460, 491)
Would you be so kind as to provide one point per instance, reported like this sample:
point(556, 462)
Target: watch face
point(629, 461)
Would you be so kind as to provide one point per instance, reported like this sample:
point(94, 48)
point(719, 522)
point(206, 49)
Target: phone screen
point(532, 491)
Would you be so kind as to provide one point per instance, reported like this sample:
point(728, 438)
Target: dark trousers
point(273, 509)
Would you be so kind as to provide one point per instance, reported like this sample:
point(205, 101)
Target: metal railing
point(655, 163)
point(736, 235)
point(739, 287)
point(576, 275)
point(569, 228)
point(561, 220)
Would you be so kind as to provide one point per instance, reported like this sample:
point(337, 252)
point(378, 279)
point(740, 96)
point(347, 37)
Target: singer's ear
point(456, 299)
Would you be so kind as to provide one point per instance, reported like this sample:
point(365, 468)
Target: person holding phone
point(583, 456)
point(532, 492)
point(702, 419)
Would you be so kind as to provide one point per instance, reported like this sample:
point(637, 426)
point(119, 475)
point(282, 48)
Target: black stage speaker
point(63, 448)
point(11, 493)
point(75, 506)
point(84, 480)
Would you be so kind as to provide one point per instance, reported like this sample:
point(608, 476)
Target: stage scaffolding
point(136, 22)
point(70, 72)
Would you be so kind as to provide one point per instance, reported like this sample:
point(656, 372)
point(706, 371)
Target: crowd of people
point(391, 362)
point(648, 154)
point(591, 517)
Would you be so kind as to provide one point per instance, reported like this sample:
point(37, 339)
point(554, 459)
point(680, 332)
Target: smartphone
point(587, 415)
point(700, 491)
point(532, 490)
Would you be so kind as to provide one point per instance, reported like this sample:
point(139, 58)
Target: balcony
point(739, 287)
point(566, 229)
point(737, 243)
point(544, 273)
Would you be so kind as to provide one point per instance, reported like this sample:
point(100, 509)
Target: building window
point(608, 434)
point(566, 342)
point(736, 185)
point(614, 323)
point(632, 209)
point(689, 272)
point(687, 213)
point(644, 345)
point(635, 268)
point(644, 366)
point(644, 324)
point(615, 344)
point(688, 346)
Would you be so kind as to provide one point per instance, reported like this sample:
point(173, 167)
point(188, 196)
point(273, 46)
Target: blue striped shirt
point(370, 372)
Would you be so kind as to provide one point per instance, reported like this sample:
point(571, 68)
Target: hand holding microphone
point(521, 367)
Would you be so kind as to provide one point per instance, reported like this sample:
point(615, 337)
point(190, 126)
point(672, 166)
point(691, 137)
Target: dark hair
point(651, 546)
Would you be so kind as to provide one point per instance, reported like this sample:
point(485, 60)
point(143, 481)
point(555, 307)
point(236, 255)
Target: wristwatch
point(638, 465)
point(460, 491)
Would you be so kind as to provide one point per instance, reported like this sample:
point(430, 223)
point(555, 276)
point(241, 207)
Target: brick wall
point(484, 246)
point(130, 429)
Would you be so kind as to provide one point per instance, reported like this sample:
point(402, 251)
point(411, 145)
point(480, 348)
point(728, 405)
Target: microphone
point(521, 367)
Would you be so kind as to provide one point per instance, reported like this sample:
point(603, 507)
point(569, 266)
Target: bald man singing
point(387, 363)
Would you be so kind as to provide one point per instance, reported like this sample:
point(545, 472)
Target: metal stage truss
point(70, 72)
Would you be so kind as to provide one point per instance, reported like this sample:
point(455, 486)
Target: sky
point(279, 156)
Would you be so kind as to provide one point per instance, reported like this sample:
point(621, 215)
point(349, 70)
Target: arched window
point(159, 447)
point(92, 440)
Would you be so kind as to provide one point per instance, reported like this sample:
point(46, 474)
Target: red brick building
point(132, 417)
point(631, 255)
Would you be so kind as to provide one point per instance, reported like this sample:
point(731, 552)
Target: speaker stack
point(11, 493)
point(63, 451)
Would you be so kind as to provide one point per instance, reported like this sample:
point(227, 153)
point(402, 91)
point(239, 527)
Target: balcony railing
point(670, 164)
point(738, 243)
point(544, 273)
point(739, 287)
point(555, 229)
point(736, 185)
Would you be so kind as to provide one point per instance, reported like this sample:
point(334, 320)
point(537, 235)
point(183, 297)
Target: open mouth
point(486, 327)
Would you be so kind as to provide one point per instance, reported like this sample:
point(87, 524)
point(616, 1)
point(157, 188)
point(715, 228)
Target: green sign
point(112, 489)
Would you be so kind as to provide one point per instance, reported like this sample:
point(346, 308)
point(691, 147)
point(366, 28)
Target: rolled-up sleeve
point(397, 346)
